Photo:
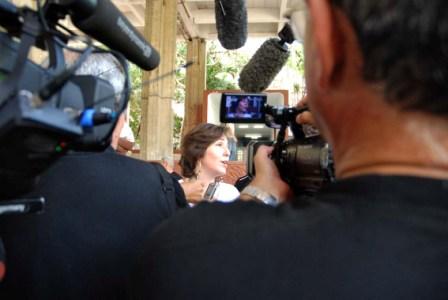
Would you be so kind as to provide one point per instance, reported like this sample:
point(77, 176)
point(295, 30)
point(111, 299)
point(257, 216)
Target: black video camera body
point(305, 162)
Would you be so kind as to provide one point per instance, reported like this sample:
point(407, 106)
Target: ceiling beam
point(187, 21)
point(140, 16)
point(254, 15)
point(196, 18)
point(281, 14)
point(131, 2)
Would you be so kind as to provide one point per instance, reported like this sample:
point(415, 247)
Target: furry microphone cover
point(262, 68)
point(231, 23)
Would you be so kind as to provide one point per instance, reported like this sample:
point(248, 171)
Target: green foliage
point(296, 63)
point(177, 130)
point(296, 60)
point(135, 100)
point(181, 58)
point(179, 93)
point(223, 67)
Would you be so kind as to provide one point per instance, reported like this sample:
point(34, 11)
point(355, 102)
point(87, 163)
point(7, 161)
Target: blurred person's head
point(377, 75)
point(167, 163)
point(229, 133)
point(107, 67)
point(116, 133)
point(204, 152)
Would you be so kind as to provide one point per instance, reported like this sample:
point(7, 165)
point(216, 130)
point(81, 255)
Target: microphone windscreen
point(262, 68)
point(231, 23)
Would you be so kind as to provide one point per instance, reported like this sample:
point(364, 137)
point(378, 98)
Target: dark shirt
point(176, 176)
point(369, 237)
point(100, 208)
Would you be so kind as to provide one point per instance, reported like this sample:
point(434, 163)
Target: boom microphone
point(103, 21)
point(231, 23)
point(266, 63)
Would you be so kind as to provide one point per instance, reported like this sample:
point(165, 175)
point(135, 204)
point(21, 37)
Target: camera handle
point(276, 153)
point(17, 207)
point(297, 131)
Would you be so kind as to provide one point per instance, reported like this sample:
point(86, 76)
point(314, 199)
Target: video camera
point(46, 111)
point(305, 161)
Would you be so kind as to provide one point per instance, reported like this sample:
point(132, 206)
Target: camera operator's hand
point(124, 145)
point(305, 117)
point(267, 176)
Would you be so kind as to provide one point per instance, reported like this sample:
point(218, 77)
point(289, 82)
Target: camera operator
point(100, 207)
point(377, 80)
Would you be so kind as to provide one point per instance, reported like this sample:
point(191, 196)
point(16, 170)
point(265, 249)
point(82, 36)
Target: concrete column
point(157, 116)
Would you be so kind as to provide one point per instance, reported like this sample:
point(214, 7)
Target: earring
point(198, 168)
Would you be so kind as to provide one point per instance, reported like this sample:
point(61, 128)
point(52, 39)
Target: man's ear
point(117, 131)
point(326, 37)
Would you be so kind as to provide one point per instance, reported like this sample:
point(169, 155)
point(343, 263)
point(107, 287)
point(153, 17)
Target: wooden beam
point(195, 83)
point(254, 15)
point(156, 124)
point(138, 15)
point(167, 65)
point(187, 20)
point(281, 13)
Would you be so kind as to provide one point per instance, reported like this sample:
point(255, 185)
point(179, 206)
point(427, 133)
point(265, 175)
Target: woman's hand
point(194, 190)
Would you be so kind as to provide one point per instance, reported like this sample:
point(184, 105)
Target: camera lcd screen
point(242, 108)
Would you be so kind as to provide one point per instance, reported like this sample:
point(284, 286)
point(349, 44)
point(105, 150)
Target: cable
point(60, 79)
point(41, 17)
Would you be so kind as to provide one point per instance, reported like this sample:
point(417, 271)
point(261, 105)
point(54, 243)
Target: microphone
point(231, 23)
point(266, 63)
point(103, 21)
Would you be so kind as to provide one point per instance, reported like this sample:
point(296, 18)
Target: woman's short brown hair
point(195, 143)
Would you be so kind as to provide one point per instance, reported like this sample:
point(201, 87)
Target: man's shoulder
point(106, 159)
point(336, 236)
point(344, 207)
point(100, 172)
